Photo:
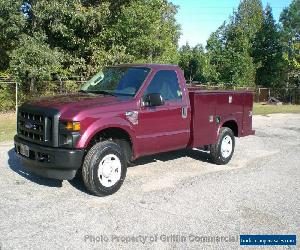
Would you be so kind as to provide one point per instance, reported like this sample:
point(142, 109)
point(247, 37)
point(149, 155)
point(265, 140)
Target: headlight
point(69, 133)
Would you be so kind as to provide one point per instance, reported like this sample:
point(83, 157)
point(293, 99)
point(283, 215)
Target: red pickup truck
point(122, 113)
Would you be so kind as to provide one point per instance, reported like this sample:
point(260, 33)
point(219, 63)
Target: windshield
point(117, 81)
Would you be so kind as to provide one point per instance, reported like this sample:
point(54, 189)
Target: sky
point(199, 18)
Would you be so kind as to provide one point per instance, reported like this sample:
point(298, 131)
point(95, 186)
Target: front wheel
point(104, 168)
point(221, 152)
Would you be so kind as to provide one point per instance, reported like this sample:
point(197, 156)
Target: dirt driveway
point(168, 201)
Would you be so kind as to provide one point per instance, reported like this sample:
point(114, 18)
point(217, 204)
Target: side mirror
point(153, 99)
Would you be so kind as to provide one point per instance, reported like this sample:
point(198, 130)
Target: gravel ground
point(167, 201)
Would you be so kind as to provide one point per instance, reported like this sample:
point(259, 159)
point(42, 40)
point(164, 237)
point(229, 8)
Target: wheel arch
point(115, 133)
point(233, 125)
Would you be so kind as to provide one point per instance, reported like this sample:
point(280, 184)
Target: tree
point(12, 23)
point(230, 47)
point(216, 54)
point(40, 40)
point(34, 61)
point(73, 27)
point(240, 33)
point(147, 30)
point(267, 52)
point(193, 62)
point(248, 17)
point(290, 20)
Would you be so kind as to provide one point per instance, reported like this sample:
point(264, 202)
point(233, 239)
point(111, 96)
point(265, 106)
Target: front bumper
point(55, 163)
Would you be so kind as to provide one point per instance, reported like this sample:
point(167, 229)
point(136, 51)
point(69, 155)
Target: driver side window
point(165, 82)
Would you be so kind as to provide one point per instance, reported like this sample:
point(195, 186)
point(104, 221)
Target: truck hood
point(76, 101)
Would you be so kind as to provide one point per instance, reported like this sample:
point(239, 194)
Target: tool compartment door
point(203, 124)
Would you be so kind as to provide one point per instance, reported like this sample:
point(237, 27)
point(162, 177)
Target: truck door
point(166, 127)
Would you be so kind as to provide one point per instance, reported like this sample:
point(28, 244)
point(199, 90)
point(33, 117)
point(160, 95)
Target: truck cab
point(125, 112)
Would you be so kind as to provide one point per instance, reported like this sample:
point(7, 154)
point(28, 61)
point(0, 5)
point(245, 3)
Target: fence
point(285, 95)
point(12, 93)
point(9, 95)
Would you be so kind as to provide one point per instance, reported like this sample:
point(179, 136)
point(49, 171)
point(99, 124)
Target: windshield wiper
point(103, 92)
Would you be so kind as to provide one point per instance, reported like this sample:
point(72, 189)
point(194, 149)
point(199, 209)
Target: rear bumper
point(55, 163)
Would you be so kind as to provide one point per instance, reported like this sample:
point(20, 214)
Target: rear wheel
point(104, 168)
point(221, 152)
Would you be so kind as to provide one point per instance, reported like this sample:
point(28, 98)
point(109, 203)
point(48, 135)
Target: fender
point(104, 123)
point(227, 118)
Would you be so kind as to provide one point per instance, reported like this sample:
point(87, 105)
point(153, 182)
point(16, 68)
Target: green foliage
point(247, 50)
point(193, 62)
point(72, 86)
point(248, 18)
point(73, 27)
point(147, 31)
point(57, 40)
point(229, 48)
point(12, 23)
point(7, 98)
point(268, 53)
point(42, 40)
point(34, 61)
point(290, 20)
point(7, 89)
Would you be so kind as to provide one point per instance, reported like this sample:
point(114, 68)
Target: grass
point(7, 126)
point(260, 109)
point(8, 120)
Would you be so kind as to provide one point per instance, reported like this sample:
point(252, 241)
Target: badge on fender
point(133, 117)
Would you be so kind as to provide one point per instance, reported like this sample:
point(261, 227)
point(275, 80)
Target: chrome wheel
point(109, 170)
point(226, 146)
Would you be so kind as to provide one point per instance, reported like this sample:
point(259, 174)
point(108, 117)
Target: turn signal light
point(74, 126)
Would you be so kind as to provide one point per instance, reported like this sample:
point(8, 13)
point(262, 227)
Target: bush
point(7, 96)
point(72, 86)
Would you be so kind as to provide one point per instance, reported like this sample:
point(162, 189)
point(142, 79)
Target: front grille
point(38, 124)
point(34, 127)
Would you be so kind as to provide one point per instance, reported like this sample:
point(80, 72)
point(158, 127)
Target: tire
point(125, 145)
point(104, 168)
point(221, 152)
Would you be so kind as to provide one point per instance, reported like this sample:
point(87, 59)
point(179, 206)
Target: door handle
point(184, 112)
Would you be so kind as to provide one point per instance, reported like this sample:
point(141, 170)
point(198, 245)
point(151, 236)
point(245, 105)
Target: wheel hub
point(109, 170)
point(226, 146)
